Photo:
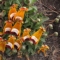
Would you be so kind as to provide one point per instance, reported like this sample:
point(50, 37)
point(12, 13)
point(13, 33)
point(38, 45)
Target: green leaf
point(14, 52)
point(8, 2)
point(8, 52)
point(17, 2)
point(4, 13)
point(42, 39)
point(5, 36)
point(32, 2)
point(40, 44)
point(26, 2)
point(32, 8)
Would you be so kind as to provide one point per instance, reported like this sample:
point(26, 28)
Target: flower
point(37, 35)
point(18, 43)
point(20, 14)
point(12, 12)
point(16, 29)
point(2, 45)
point(26, 34)
point(11, 41)
point(43, 49)
point(8, 26)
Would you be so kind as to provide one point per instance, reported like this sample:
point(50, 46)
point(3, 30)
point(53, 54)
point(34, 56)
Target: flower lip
point(27, 39)
point(32, 40)
point(13, 33)
point(19, 18)
point(7, 32)
point(7, 46)
point(7, 29)
point(17, 45)
point(11, 15)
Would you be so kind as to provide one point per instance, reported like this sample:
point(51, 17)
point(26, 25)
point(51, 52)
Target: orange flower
point(18, 43)
point(43, 49)
point(2, 45)
point(26, 33)
point(12, 12)
point(20, 14)
point(17, 28)
point(8, 26)
point(37, 35)
point(11, 41)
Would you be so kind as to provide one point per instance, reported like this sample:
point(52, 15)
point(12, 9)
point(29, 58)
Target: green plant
point(32, 20)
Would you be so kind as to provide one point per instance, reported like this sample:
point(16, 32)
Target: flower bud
point(58, 16)
point(45, 34)
point(38, 19)
point(50, 26)
point(56, 33)
point(23, 47)
point(57, 20)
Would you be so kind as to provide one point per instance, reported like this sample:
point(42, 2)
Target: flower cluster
point(25, 42)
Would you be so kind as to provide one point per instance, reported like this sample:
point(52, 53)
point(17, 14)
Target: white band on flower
point(18, 17)
point(11, 15)
point(34, 38)
point(10, 44)
point(7, 29)
point(25, 37)
point(15, 30)
point(17, 44)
